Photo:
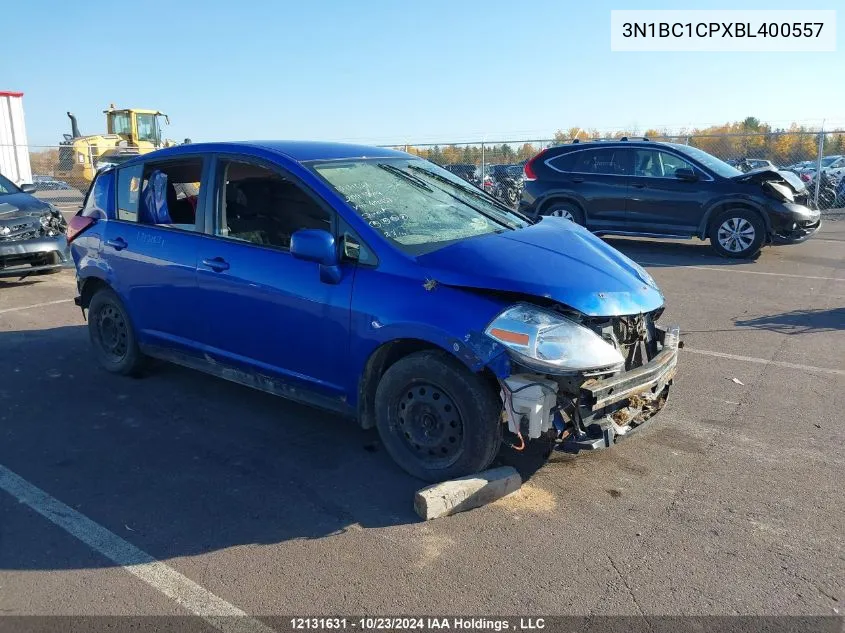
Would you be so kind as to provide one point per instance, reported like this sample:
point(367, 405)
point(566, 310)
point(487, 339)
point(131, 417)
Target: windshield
point(712, 163)
point(147, 127)
point(827, 161)
point(415, 204)
point(7, 186)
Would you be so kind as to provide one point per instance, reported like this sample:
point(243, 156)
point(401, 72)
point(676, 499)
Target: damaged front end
point(790, 208)
point(588, 408)
point(31, 240)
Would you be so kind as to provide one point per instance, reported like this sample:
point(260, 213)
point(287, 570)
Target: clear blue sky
point(390, 71)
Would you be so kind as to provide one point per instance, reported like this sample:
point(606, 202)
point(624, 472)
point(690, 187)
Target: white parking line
point(182, 590)
point(734, 270)
point(35, 305)
point(765, 361)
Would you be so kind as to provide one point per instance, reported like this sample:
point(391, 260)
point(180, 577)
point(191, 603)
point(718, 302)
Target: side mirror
point(314, 245)
point(686, 174)
point(28, 188)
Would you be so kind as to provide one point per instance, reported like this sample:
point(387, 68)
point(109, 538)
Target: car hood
point(770, 174)
point(18, 205)
point(556, 259)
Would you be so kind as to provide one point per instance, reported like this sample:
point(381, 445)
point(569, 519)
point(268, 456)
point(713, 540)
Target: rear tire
point(565, 210)
point(737, 233)
point(112, 335)
point(436, 418)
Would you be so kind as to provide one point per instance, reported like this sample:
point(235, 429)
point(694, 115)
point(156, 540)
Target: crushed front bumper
point(797, 233)
point(19, 258)
point(794, 223)
point(612, 408)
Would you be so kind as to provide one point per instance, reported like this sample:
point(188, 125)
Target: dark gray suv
point(654, 189)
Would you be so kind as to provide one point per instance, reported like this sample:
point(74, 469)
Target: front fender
point(388, 308)
point(473, 348)
point(738, 200)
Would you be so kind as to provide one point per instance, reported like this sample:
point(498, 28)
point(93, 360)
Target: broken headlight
point(549, 341)
point(52, 223)
point(778, 191)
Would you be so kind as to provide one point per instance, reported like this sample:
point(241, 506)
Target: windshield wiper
point(499, 218)
point(416, 182)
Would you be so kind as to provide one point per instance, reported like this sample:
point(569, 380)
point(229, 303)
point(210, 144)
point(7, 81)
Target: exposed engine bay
point(590, 410)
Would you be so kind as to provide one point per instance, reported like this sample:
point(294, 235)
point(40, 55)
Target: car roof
point(592, 144)
point(299, 151)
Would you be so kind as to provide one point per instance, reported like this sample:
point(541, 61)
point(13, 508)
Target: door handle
point(218, 264)
point(117, 243)
point(636, 186)
point(577, 180)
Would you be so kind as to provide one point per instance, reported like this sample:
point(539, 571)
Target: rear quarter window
point(564, 162)
point(100, 200)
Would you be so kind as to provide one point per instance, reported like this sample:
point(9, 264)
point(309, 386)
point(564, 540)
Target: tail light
point(77, 225)
point(806, 177)
point(528, 173)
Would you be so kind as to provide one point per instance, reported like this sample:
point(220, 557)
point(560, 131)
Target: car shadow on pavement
point(663, 253)
point(177, 462)
point(9, 282)
point(798, 321)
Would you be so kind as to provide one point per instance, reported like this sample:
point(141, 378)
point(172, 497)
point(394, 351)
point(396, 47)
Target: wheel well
point(90, 288)
point(380, 361)
point(556, 199)
point(726, 206)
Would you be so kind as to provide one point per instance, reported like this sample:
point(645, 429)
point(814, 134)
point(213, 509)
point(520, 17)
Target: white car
point(832, 166)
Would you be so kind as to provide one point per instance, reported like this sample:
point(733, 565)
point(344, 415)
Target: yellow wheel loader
point(131, 131)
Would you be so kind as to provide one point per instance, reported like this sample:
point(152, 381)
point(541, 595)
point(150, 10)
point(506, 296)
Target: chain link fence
point(807, 154)
point(61, 174)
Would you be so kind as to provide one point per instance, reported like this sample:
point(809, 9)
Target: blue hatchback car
point(373, 283)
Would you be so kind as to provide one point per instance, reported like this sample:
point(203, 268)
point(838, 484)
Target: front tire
point(112, 335)
point(436, 418)
point(737, 233)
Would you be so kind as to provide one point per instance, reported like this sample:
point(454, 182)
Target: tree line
point(749, 138)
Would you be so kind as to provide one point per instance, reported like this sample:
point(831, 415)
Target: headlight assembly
point(546, 340)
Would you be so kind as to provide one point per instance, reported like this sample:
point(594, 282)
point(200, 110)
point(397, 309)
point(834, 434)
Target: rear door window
point(611, 161)
point(170, 194)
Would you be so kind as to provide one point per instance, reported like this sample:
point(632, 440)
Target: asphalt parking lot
point(731, 503)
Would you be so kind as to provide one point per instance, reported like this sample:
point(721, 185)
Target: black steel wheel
point(112, 332)
point(430, 424)
point(437, 419)
point(112, 335)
